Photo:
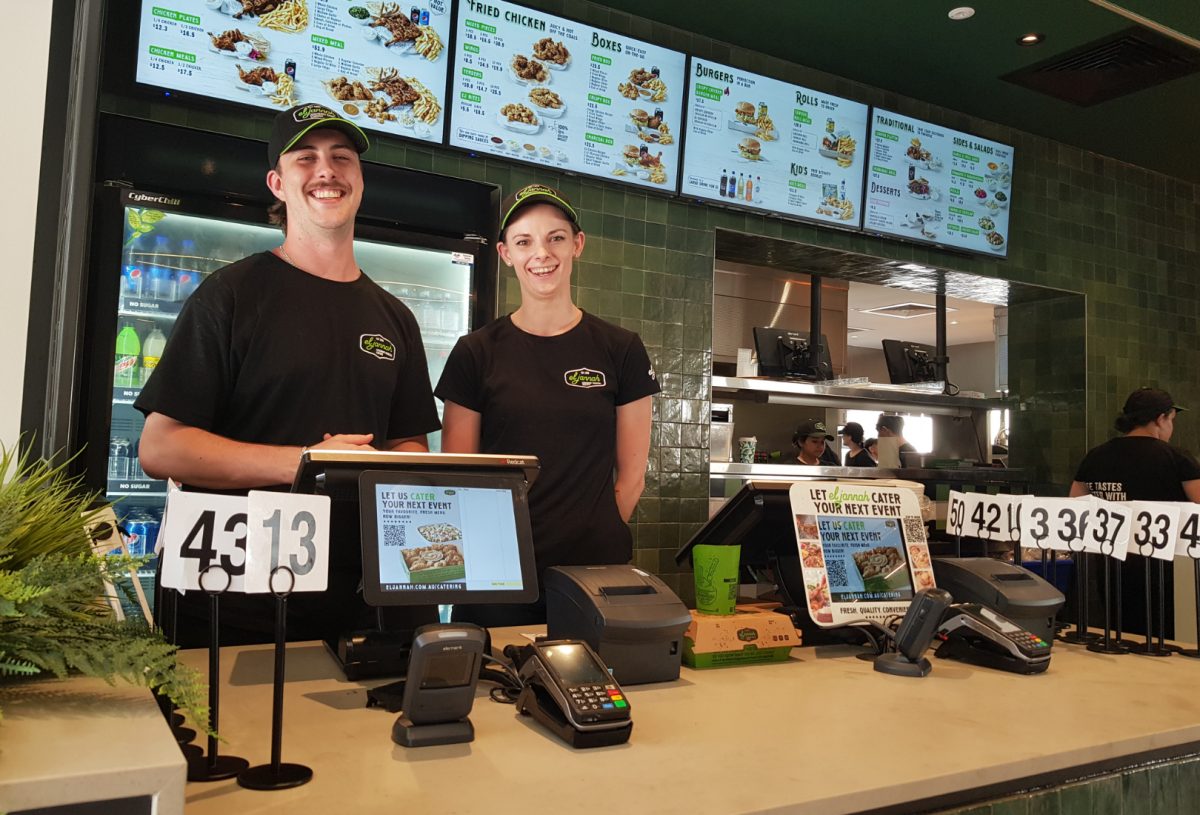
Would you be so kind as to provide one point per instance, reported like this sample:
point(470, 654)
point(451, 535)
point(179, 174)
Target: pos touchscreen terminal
point(435, 529)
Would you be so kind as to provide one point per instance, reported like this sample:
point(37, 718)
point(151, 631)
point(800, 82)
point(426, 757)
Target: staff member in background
point(888, 426)
point(871, 445)
point(269, 356)
point(852, 437)
point(554, 381)
point(811, 449)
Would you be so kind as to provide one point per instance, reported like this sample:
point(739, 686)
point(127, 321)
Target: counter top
point(819, 734)
point(799, 472)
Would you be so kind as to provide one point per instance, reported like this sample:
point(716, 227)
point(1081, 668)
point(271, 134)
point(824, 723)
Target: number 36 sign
point(235, 543)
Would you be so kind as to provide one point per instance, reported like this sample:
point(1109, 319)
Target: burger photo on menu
point(649, 127)
point(753, 119)
point(640, 162)
point(750, 149)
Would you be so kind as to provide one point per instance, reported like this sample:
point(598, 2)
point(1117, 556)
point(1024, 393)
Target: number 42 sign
point(235, 543)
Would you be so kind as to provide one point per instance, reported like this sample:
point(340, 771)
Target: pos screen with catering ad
point(535, 87)
point(758, 142)
point(380, 64)
point(934, 185)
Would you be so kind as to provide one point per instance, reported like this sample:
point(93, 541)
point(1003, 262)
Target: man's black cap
point(854, 430)
point(291, 125)
point(1150, 402)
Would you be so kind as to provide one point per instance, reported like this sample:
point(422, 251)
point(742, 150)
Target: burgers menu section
point(543, 89)
point(929, 183)
point(380, 64)
point(759, 142)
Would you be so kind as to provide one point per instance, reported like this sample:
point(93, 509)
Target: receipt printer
point(1017, 593)
point(627, 615)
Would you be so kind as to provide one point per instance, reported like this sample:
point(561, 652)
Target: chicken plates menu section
point(759, 142)
point(380, 64)
point(937, 185)
point(543, 89)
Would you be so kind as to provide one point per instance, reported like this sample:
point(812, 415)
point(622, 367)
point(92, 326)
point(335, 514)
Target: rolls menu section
point(380, 64)
point(543, 89)
point(760, 142)
point(937, 185)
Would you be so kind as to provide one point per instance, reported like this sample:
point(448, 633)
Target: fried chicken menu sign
point(380, 64)
point(538, 88)
point(862, 550)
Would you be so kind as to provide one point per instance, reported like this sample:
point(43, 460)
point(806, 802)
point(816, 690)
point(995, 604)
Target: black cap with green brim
point(534, 194)
point(291, 125)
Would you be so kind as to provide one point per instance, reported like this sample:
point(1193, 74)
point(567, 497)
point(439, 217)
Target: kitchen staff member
point(554, 381)
point(889, 426)
point(852, 437)
point(811, 449)
point(269, 356)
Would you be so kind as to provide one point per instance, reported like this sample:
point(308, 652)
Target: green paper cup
point(716, 571)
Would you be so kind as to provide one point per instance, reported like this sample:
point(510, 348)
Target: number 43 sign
point(242, 541)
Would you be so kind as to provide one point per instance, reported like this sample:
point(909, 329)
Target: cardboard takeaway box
point(754, 633)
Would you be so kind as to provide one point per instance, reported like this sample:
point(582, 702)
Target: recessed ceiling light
point(961, 13)
point(954, 322)
point(1032, 38)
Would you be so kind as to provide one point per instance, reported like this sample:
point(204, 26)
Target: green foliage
point(54, 617)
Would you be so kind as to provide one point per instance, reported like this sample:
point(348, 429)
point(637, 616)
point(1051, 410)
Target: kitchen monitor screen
point(758, 142)
point(546, 90)
point(381, 65)
point(935, 185)
point(865, 559)
point(448, 537)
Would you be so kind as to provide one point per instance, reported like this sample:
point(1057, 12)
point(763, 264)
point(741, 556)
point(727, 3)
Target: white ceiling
point(970, 322)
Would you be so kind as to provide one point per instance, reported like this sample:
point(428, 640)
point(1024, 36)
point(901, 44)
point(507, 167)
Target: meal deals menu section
point(381, 65)
point(936, 185)
point(539, 88)
point(759, 142)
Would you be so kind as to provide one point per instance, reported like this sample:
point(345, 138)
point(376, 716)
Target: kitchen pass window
point(918, 430)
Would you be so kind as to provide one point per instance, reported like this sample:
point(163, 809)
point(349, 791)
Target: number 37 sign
point(236, 543)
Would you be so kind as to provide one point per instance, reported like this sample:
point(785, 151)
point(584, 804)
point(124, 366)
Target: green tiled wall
point(1123, 236)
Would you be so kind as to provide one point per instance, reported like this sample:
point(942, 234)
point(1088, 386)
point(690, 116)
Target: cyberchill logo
point(151, 198)
point(377, 346)
point(585, 378)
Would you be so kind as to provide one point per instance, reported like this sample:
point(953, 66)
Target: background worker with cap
point(267, 356)
point(809, 441)
point(889, 426)
point(857, 455)
point(552, 380)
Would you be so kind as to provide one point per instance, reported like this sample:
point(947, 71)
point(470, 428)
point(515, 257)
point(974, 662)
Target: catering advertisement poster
point(862, 549)
point(936, 185)
point(759, 142)
point(383, 65)
point(539, 88)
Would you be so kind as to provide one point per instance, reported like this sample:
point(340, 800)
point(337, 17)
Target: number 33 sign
point(242, 541)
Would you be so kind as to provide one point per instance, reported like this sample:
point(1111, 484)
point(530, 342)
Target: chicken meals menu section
point(759, 142)
point(937, 185)
point(381, 64)
point(539, 88)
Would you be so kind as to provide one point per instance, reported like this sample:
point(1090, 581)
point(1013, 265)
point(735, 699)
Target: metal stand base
point(270, 777)
point(1149, 649)
point(190, 751)
point(898, 665)
point(1110, 647)
point(218, 769)
point(183, 735)
point(1080, 637)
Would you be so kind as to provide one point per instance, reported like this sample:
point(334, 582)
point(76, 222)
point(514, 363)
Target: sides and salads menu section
point(381, 64)
point(937, 185)
point(543, 89)
point(760, 142)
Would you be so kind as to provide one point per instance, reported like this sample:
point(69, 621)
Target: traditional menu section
point(936, 185)
point(542, 89)
point(762, 143)
point(380, 64)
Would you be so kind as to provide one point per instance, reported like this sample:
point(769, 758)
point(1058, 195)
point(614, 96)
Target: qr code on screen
point(914, 530)
point(836, 570)
point(393, 536)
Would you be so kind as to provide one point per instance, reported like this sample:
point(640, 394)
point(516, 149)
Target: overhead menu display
point(760, 142)
point(381, 65)
point(937, 185)
point(543, 89)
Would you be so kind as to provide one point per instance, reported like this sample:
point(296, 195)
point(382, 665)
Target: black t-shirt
point(860, 459)
point(1137, 468)
point(556, 398)
point(265, 352)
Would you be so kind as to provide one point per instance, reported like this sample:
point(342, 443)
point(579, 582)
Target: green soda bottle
point(129, 347)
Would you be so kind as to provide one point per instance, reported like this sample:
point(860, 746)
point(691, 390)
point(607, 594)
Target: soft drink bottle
point(131, 281)
point(118, 459)
point(152, 350)
point(125, 369)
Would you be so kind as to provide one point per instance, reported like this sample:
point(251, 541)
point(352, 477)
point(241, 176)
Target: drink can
point(289, 68)
point(151, 526)
point(424, 16)
point(135, 534)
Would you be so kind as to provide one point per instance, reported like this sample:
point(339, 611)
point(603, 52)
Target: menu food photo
point(380, 64)
point(935, 185)
point(759, 142)
point(543, 89)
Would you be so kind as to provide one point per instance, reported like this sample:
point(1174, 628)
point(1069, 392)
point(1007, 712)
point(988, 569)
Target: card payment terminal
point(569, 690)
point(974, 633)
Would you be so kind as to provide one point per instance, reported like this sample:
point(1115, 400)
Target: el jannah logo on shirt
point(377, 346)
point(585, 378)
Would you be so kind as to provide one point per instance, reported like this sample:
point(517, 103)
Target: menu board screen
point(759, 142)
point(937, 185)
point(381, 65)
point(543, 89)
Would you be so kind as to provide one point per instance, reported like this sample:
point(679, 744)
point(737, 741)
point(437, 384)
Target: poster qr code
point(393, 535)
point(914, 530)
point(836, 570)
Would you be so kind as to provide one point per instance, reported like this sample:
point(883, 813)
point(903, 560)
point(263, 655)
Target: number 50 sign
point(235, 543)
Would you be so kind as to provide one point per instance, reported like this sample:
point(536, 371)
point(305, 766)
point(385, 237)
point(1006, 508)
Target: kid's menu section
point(379, 64)
point(759, 142)
point(539, 88)
point(932, 184)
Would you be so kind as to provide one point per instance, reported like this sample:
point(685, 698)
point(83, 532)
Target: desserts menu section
point(379, 64)
point(539, 88)
point(759, 142)
point(929, 183)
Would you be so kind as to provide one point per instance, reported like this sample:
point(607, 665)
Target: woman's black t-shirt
point(1137, 468)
